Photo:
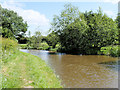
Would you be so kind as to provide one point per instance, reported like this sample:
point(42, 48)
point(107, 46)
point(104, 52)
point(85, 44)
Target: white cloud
point(33, 18)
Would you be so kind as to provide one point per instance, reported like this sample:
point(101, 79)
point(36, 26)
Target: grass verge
point(23, 70)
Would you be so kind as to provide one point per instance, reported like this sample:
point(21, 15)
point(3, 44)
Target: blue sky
point(39, 14)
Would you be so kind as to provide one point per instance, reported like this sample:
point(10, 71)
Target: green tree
point(84, 33)
point(63, 26)
point(118, 26)
point(35, 40)
point(29, 40)
point(12, 24)
point(66, 17)
point(102, 31)
point(52, 39)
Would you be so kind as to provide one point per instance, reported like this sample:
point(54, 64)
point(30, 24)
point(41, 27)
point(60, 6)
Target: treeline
point(39, 42)
point(72, 31)
point(85, 33)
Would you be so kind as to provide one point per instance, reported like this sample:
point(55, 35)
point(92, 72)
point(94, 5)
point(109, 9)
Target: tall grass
point(9, 47)
point(0, 62)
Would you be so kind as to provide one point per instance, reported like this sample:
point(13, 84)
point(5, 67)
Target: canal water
point(81, 71)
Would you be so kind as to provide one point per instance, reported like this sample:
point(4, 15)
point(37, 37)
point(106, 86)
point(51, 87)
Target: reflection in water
point(77, 71)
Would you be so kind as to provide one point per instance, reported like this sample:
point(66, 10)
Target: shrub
point(58, 46)
point(53, 49)
point(23, 46)
point(114, 51)
point(8, 47)
point(0, 49)
point(44, 46)
point(111, 50)
point(106, 50)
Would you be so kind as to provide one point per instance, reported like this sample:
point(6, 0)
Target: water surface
point(80, 71)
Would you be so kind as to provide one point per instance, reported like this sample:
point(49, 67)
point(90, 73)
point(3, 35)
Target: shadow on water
point(115, 65)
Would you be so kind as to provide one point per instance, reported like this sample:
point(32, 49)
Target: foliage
point(84, 33)
point(106, 50)
point(29, 40)
point(118, 24)
point(22, 39)
point(58, 46)
point(53, 49)
point(44, 46)
point(9, 47)
point(35, 40)
point(115, 52)
point(102, 29)
point(56, 49)
point(23, 46)
point(118, 21)
point(30, 71)
point(12, 24)
point(111, 50)
point(1, 51)
point(52, 39)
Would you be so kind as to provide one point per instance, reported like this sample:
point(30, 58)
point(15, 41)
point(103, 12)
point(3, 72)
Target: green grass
point(25, 70)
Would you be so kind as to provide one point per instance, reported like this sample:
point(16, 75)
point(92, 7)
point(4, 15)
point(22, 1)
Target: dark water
point(76, 71)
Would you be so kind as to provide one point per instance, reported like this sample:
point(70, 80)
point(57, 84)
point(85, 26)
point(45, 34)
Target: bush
point(58, 46)
point(8, 47)
point(106, 50)
point(44, 46)
point(111, 50)
point(115, 51)
point(0, 50)
point(23, 46)
point(53, 49)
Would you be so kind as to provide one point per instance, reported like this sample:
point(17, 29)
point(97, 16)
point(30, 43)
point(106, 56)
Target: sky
point(39, 13)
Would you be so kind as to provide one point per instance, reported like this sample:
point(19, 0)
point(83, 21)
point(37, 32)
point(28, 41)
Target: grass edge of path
point(23, 70)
